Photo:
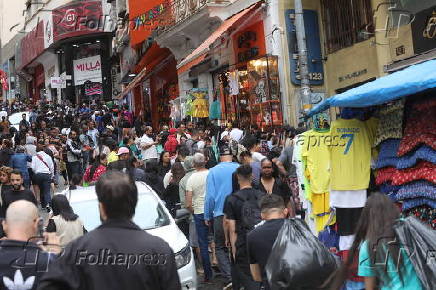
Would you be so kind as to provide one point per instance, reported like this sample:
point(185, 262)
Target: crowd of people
point(238, 185)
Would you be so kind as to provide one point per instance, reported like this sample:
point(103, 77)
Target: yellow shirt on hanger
point(316, 151)
point(350, 153)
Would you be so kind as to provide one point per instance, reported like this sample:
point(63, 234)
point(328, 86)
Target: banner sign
point(424, 30)
point(32, 45)
point(87, 69)
point(58, 83)
point(314, 55)
point(78, 18)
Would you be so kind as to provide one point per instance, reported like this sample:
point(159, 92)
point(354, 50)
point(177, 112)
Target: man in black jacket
point(118, 254)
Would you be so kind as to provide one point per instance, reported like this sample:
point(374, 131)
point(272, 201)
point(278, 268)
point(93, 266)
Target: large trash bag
point(298, 260)
point(419, 242)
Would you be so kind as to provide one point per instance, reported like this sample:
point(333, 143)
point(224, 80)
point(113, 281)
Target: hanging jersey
point(350, 153)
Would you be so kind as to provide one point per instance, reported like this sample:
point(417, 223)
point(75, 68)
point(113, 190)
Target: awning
point(199, 53)
point(411, 80)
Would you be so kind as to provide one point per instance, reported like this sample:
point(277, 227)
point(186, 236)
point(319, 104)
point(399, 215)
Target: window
point(346, 22)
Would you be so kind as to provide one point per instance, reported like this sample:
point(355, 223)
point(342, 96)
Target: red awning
point(199, 53)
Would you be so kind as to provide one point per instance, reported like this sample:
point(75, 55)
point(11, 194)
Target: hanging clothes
point(215, 110)
point(200, 105)
point(234, 82)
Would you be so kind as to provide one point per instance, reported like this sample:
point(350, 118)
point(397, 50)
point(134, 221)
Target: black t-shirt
point(9, 196)
point(233, 211)
point(260, 242)
point(279, 188)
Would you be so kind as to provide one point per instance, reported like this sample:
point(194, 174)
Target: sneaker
point(227, 285)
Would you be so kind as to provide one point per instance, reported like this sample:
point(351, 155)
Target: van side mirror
point(182, 214)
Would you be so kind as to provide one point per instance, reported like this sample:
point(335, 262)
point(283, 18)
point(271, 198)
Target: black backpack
point(250, 210)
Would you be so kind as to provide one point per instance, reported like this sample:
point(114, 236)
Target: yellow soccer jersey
point(316, 152)
point(350, 153)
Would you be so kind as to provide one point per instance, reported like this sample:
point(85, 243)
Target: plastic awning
point(411, 80)
point(199, 54)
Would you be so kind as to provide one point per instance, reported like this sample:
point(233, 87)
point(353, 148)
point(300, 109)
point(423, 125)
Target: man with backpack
point(242, 212)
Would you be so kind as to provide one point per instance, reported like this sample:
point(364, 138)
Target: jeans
point(222, 252)
point(85, 160)
point(43, 181)
point(203, 242)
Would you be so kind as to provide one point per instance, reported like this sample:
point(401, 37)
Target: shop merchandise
point(351, 142)
point(215, 110)
point(390, 122)
point(348, 198)
point(200, 107)
point(424, 213)
point(233, 82)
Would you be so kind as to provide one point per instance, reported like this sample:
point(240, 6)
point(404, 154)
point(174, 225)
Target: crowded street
point(218, 145)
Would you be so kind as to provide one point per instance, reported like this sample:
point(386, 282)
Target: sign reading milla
point(87, 69)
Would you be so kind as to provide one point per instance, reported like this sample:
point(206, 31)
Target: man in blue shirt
point(218, 187)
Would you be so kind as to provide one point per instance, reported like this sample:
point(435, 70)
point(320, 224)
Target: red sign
point(78, 18)
point(4, 80)
point(249, 43)
point(32, 45)
point(145, 16)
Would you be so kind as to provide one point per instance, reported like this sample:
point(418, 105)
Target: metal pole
point(302, 57)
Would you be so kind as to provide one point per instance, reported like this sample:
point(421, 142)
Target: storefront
point(232, 68)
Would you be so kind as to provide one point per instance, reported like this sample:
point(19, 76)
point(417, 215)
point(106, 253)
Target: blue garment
point(416, 189)
point(388, 155)
point(329, 238)
point(203, 242)
point(415, 202)
point(19, 162)
point(218, 185)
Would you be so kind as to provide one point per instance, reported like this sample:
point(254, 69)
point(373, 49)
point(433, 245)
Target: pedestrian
point(97, 169)
point(181, 133)
point(242, 213)
point(112, 156)
point(117, 196)
point(6, 153)
point(236, 133)
point(253, 145)
point(22, 225)
point(19, 161)
point(218, 187)
point(122, 164)
point(43, 172)
point(63, 221)
point(148, 146)
point(195, 193)
point(260, 240)
point(4, 124)
point(171, 193)
point(164, 164)
point(171, 142)
point(74, 154)
point(85, 142)
point(17, 191)
point(192, 143)
point(375, 241)
point(153, 179)
point(136, 171)
point(270, 182)
point(24, 123)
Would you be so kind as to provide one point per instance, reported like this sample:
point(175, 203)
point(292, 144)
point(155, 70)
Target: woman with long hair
point(153, 179)
point(171, 195)
point(382, 260)
point(164, 163)
point(64, 222)
point(94, 171)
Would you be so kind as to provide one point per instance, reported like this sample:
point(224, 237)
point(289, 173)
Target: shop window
point(346, 22)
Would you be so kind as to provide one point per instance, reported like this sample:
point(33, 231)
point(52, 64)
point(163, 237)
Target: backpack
point(250, 210)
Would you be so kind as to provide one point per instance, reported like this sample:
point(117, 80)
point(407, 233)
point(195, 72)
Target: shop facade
point(63, 54)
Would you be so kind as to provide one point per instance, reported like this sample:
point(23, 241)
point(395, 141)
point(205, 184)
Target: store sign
point(352, 75)
point(129, 58)
point(250, 43)
point(78, 18)
point(87, 69)
point(116, 79)
point(32, 45)
point(58, 83)
point(424, 30)
point(314, 55)
point(146, 16)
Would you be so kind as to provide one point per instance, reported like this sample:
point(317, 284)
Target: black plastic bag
point(298, 259)
point(419, 242)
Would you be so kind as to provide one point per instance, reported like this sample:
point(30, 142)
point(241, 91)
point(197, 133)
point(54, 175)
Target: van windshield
point(149, 213)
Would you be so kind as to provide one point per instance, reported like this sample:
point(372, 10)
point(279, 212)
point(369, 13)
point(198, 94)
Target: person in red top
point(94, 171)
point(171, 144)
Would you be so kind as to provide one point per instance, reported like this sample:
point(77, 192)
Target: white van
point(150, 215)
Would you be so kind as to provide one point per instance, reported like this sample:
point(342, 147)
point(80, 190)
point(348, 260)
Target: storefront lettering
point(353, 75)
point(430, 28)
point(89, 66)
point(247, 51)
point(151, 16)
